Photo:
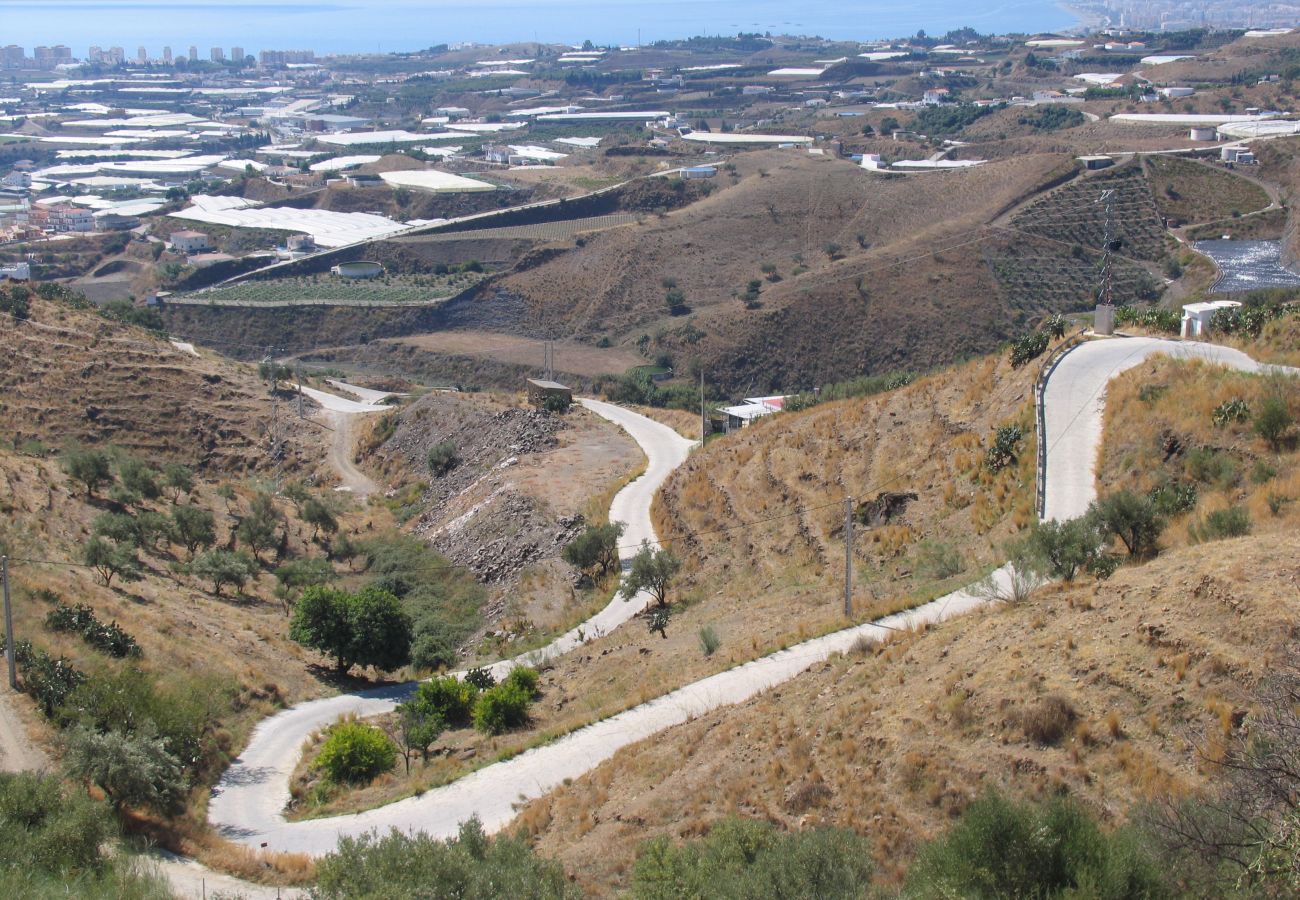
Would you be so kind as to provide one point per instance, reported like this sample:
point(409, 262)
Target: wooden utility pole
point(9, 624)
point(848, 557)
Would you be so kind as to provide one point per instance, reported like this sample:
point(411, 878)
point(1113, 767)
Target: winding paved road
point(247, 804)
point(1075, 397)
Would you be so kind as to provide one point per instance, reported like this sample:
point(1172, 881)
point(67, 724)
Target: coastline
point(1088, 20)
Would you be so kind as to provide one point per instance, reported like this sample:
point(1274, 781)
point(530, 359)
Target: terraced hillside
point(81, 378)
point(1076, 213)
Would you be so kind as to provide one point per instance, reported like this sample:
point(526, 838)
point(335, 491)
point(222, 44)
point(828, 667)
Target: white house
point(1197, 316)
point(189, 241)
point(935, 96)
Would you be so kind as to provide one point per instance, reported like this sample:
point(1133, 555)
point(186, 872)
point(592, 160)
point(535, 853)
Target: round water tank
point(358, 270)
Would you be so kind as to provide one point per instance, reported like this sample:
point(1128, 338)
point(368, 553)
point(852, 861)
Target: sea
point(387, 26)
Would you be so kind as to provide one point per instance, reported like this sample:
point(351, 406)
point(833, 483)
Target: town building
point(1198, 316)
point(749, 410)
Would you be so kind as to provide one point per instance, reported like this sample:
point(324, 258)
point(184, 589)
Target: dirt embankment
point(522, 485)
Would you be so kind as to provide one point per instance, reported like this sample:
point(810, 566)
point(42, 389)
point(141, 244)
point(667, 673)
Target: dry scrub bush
point(1048, 720)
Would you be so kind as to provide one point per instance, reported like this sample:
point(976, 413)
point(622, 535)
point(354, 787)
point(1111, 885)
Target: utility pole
point(1104, 295)
point(703, 421)
point(848, 557)
point(9, 624)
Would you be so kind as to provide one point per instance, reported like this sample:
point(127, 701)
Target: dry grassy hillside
point(835, 252)
point(1109, 690)
point(72, 376)
point(1103, 691)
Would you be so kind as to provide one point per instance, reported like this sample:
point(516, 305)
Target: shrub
point(743, 858)
point(1221, 523)
point(1002, 849)
point(525, 679)
point(131, 769)
point(1229, 411)
point(137, 477)
point(1131, 518)
point(1029, 347)
point(1273, 421)
point(451, 699)
point(442, 458)
point(480, 678)
point(317, 514)
point(81, 619)
point(1173, 498)
point(675, 300)
point(1210, 466)
point(48, 680)
point(50, 829)
point(1005, 450)
point(471, 866)
point(710, 641)
point(1047, 721)
point(257, 529)
point(355, 753)
point(1062, 549)
point(501, 708)
point(937, 560)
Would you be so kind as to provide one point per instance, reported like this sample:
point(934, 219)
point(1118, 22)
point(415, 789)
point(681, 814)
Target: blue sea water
point(361, 26)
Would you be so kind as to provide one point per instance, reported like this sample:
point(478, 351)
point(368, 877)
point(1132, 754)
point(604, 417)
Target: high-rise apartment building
point(194, 53)
point(167, 55)
point(237, 54)
point(12, 57)
point(217, 55)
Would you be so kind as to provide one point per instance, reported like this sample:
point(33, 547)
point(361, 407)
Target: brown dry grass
point(903, 737)
point(1160, 428)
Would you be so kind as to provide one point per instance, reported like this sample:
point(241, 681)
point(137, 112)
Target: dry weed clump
point(1048, 720)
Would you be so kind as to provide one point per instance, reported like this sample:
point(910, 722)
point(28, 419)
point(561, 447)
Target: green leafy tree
point(414, 731)
point(470, 866)
point(195, 527)
point(317, 514)
point(1062, 549)
point(111, 560)
point(257, 529)
point(117, 527)
point(448, 698)
point(155, 528)
point(595, 548)
point(294, 577)
point(1130, 517)
point(368, 628)
point(131, 770)
point(137, 477)
point(179, 478)
point(92, 468)
point(224, 567)
point(653, 571)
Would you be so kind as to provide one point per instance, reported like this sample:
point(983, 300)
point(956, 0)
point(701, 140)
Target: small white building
point(1198, 316)
point(935, 96)
point(1170, 93)
point(751, 408)
point(16, 271)
point(189, 241)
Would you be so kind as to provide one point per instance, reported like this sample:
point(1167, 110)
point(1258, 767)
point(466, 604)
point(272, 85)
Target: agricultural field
point(1193, 193)
point(329, 290)
point(1070, 282)
point(543, 231)
point(1075, 214)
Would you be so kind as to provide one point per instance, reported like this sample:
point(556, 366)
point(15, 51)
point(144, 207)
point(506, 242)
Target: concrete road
point(1075, 397)
point(247, 803)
